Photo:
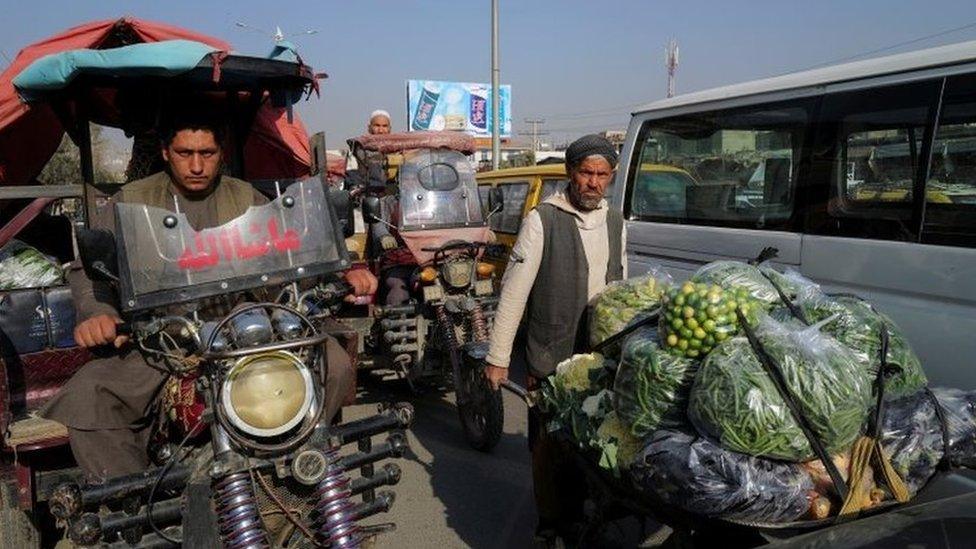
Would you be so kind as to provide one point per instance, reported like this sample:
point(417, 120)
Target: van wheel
point(17, 530)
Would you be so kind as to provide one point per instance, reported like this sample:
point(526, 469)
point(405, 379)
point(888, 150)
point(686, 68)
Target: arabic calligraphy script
point(227, 245)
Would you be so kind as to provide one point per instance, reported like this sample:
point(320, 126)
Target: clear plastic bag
point(959, 409)
point(22, 266)
point(735, 401)
point(652, 385)
point(624, 302)
point(698, 476)
point(858, 326)
point(733, 275)
point(911, 436)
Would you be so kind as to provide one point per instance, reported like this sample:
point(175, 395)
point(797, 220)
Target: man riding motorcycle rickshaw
point(106, 405)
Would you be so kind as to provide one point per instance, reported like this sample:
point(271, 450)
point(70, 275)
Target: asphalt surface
point(451, 495)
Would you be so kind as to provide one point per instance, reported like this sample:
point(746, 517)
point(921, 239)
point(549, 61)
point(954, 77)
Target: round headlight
point(267, 394)
point(457, 274)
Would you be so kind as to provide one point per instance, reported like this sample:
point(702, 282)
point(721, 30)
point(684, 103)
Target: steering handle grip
point(123, 329)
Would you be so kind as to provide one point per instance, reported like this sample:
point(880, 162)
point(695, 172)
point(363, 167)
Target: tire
point(17, 530)
point(482, 416)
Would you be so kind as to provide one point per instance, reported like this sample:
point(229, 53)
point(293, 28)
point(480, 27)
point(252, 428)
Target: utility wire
point(891, 47)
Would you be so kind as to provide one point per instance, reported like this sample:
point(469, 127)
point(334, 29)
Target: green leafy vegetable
point(651, 387)
point(22, 266)
point(624, 302)
point(734, 401)
point(577, 397)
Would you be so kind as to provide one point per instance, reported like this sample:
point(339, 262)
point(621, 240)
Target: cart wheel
point(482, 416)
point(17, 530)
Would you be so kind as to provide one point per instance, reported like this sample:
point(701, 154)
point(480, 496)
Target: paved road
point(450, 495)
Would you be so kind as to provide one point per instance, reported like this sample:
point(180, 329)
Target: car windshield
point(163, 260)
point(438, 190)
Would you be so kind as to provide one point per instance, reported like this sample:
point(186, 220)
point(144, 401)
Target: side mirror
point(96, 249)
point(371, 209)
point(496, 199)
point(342, 202)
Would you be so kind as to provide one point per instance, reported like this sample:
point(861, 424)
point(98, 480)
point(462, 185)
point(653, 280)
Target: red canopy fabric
point(29, 134)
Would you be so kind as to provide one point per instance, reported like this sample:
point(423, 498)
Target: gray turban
point(590, 145)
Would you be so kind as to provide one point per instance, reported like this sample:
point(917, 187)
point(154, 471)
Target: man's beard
point(583, 203)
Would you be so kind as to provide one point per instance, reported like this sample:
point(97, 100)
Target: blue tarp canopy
point(57, 71)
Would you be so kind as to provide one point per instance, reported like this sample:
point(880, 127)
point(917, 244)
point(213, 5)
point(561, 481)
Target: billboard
point(459, 106)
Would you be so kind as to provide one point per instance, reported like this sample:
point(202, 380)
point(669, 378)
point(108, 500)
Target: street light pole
point(496, 144)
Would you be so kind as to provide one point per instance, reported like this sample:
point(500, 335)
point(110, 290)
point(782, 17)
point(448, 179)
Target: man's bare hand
point(100, 330)
point(388, 242)
point(363, 283)
point(495, 375)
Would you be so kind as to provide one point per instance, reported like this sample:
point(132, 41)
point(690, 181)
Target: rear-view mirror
point(496, 199)
point(96, 249)
point(371, 209)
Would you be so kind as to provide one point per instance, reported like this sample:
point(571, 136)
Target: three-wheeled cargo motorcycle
point(243, 455)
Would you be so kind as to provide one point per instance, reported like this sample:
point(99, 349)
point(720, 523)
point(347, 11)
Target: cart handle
point(531, 398)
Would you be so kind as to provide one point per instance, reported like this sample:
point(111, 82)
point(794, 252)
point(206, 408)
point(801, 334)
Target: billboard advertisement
point(458, 106)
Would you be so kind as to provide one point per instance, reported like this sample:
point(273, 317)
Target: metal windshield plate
point(438, 190)
point(163, 260)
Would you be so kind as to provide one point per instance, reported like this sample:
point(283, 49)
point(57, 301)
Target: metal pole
point(496, 145)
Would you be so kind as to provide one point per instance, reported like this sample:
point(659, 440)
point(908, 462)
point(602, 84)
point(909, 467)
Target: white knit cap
point(379, 112)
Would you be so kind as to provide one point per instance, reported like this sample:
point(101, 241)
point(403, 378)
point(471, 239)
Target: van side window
point(510, 218)
point(733, 168)
point(950, 209)
point(551, 186)
point(868, 154)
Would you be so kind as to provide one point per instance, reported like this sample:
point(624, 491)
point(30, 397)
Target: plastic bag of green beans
point(734, 401)
point(652, 385)
point(857, 325)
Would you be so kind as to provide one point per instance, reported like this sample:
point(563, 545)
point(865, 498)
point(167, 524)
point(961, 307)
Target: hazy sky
point(580, 65)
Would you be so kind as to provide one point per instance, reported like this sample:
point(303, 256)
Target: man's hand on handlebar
point(100, 330)
point(388, 242)
point(495, 375)
point(363, 283)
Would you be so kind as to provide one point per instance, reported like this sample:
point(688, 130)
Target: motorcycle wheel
point(482, 416)
point(16, 530)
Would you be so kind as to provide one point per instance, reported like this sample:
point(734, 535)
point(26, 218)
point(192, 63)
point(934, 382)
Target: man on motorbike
point(107, 404)
point(568, 249)
point(396, 279)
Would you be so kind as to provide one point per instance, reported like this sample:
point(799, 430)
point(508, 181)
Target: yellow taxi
point(522, 189)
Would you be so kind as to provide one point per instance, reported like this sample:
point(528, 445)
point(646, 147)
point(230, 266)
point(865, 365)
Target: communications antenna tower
point(671, 63)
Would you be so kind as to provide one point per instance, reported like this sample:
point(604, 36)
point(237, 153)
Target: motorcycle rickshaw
point(440, 334)
point(243, 455)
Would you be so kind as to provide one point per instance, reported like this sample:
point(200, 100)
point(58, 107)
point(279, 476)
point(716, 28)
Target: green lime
point(699, 333)
point(691, 323)
point(672, 340)
point(682, 344)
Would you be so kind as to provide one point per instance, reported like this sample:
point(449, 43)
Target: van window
point(550, 187)
point(732, 168)
point(868, 154)
point(950, 209)
point(510, 218)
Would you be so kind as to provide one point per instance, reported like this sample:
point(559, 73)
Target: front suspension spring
point(237, 513)
point(336, 522)
point(479, 325)
point(447, 328)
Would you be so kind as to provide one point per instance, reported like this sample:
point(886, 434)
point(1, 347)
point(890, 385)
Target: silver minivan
point(862, 176)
